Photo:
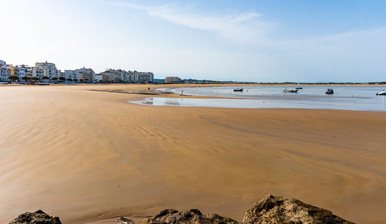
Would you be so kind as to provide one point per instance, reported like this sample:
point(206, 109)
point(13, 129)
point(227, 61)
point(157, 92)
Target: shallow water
point(362, 98)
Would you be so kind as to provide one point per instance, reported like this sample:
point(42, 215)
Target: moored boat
point(238, 90)
point(330, 91)
point(382, 93)
point(290, 91)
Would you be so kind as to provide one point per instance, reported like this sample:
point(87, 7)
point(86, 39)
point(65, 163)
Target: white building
point(38, 73)
point(99, 78)
point(4, 71)
point(49, 70)
point(128, 76)
point(59, 74)
point(172, 79)
point(113, 75)
point(23, 71)
point(140, 77)
point(145, 77)
point(80, 75)
point(71, 75)
point(85, 74)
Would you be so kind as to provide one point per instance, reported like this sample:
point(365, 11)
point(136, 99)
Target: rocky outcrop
point(270, 210)
point(273, 209)
point(122, 220)
point(38, 217)
point(193, 216)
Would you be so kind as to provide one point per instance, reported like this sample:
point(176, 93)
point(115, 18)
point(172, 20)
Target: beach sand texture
point(87, 155)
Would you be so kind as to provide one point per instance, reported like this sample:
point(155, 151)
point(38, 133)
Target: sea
point(361, 98)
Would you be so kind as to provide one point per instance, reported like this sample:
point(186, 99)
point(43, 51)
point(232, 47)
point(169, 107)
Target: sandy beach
point(84, 154)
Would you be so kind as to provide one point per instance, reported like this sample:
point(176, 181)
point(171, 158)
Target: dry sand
point(88, 155)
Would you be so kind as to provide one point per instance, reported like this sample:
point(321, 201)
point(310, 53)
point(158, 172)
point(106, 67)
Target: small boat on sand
point(238, 90)
point(290, 91)
point(382, 93)
point(330, 91)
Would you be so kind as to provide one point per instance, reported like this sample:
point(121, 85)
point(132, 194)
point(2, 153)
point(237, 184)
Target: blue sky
point(244, 40)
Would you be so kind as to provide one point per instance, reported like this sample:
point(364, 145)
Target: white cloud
point(356, 55)
point(244, 28)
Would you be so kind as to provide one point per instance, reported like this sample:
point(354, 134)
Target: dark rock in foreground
point(272, 209)
point(38, 217)
point(193, 216)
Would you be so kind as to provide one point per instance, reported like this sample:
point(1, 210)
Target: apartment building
point(85, 74)
point(4, 71)
point(108, 75)
point(145, 77)
point(24, 71)
point(71, 75)
point(45, 69)
point(119, 75)
point(100, 78)
point(172, 79)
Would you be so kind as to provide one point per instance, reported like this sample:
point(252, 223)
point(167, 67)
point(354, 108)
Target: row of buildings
point(47, 72)
point(172, 79)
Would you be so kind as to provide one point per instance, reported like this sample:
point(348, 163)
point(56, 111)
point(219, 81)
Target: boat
point(382, 93)
point(290, 91)
point(238, 90)
point(299, 88)
point(330, 91)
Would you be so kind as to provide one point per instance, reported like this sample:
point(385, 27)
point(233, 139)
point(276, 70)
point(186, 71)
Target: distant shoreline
point(189, 84)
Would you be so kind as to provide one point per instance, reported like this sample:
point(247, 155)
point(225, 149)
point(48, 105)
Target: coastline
point(88, 155)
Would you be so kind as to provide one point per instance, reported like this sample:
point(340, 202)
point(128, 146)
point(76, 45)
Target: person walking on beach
point(182, 92)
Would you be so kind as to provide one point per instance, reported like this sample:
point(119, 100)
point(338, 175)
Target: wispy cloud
point(247, 27)
point(340, 56)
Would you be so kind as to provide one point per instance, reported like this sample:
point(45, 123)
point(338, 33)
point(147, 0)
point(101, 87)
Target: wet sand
point(84, 154)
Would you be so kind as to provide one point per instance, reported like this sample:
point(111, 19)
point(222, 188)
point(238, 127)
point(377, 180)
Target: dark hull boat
point(238, 90)
point(330, 91)
point(290, 91)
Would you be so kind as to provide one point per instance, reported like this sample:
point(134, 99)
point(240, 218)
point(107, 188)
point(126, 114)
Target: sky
point(238, 40)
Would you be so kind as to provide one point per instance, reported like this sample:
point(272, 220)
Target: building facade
point(70, 75)
point(85, 75)
point(119, 75)
point(100, 78)
point(172, 79)
point(45, 69)
point(24, 72)
point(4, 71)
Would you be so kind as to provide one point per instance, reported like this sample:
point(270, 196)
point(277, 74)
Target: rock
point(193, 216)
point(123, 220)
point(273, 209)
point(38, 217)
point(164, 214)
point(270, 210)
point(214, 218)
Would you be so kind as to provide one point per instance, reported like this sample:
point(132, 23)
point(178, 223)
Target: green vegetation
point(13, 78)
